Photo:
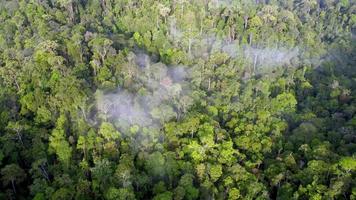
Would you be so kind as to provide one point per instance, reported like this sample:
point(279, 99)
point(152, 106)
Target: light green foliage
point(227, 153)
point(108, 131)
point(285, 102)
point(58, 142)
point(215, 172)
point(348, 163)
point(234, 194)
point(196, 151)
point(60, 146)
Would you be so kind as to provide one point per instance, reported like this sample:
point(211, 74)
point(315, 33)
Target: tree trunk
point(246, 22)
point(17, 85)
point(182, 8)
point(102, 56)
point(83, 113)
point(230, 35)
point(209, 84)
point(13, 185)
point(189, 46)
point(44, 172)
point(103, 5)
point(250, 39)
point(19, 137)
point(255, 64)
point(71, 11)
point(157, 23)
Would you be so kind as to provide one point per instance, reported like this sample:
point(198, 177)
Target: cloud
point(206, 44)
point(154, 102)
point(270, 57)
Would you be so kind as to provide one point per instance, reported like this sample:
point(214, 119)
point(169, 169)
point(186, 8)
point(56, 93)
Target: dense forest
point(177, 99)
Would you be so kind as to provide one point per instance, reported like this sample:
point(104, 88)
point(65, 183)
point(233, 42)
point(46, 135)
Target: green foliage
point(235, 99)
point(108, 131)
point(12, 174)
point(215, 172)
point(60, 146)
point(155, 164)
point(120, 194)
point(348, 164)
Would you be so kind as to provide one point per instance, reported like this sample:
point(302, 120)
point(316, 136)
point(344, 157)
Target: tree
point(215, 172)
point(102, 173)
point(164, 196)
point(348, 164)
point(124, 171)
point(62, 193)
point(101, 47)
point(164, 11)
point(197, 152)
point(108, 131)
point(307, 5)
point(234, 194)
point(163, 113)
point(58, 143)
point(186, 182)
point(13, 174)
point(155, 164)
point(60, 146)
point(119, 194)
point(69, 5)
point(17, 127)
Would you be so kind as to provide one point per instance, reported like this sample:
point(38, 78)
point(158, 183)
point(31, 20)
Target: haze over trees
point(177, 99)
